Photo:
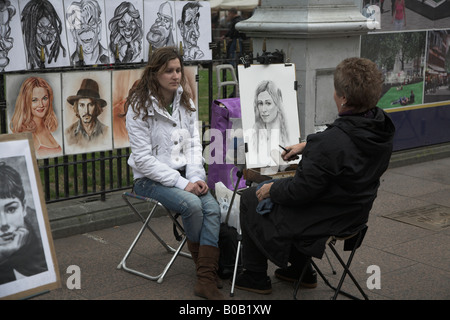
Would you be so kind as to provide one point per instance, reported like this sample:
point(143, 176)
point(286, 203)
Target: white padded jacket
point(164, 144)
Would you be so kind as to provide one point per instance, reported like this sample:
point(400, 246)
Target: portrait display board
point(38, 103)
point(34, 105)
point(28, 263)
point(41, 34)
point(269, 113)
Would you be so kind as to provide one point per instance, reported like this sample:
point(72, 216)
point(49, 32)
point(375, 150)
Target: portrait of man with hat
point(87, 105)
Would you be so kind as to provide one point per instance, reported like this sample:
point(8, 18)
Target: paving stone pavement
point(413, 257)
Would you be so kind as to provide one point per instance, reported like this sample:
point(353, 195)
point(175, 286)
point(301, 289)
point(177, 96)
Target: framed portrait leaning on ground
point(269, 114)
point(28, 265)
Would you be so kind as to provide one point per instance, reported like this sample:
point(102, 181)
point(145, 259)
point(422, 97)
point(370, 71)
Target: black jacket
point(233, 33)
point(332, 191)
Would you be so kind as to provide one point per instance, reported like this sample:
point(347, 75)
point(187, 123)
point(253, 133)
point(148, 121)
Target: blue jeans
point(200, 215)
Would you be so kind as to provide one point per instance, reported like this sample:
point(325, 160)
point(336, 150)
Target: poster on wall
point(12, 51)
point(437, 73)
point(87, 111)
point(269, 114)
point(408, 15)
point(44, 33)
point(125, 31)
point(33, 103)
point(28, 263)
point(193, 21)
point(86, 32)
point(400, 56)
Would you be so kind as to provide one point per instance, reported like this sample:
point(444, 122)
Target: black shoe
point(253, 282)
point(291, 274)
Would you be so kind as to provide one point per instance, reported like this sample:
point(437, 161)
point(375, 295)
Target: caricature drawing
point(42, 30)
point(161, 32)
point(7, 11)
point(126, 36)
point(84, 21)
point(190, 31)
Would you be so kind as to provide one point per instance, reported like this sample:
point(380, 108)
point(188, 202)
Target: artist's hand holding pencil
point(291, 152)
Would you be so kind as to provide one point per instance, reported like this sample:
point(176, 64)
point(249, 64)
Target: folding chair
point(177, 228)
point(236, 262)
point(223, 83)
point(239, 238)
point(238, 253)
point(351, 243)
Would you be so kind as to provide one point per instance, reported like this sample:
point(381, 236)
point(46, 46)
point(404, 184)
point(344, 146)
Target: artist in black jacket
point(333, 188)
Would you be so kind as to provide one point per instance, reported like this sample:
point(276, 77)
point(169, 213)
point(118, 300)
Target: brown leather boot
point(193, 249)
point(207, 265)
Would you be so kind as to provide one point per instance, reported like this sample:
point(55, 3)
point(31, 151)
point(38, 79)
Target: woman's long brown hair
point(141, 91)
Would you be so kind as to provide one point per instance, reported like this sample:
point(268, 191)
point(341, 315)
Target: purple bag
point(224, 112)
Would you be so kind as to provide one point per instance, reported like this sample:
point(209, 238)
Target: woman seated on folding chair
point(167, 160)
point(333, 188)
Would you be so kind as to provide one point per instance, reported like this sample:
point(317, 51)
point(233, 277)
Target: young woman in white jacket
point(167, 160)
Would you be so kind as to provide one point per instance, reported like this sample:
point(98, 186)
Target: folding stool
point(177, 228)
point(239, 238)
point(351, 243)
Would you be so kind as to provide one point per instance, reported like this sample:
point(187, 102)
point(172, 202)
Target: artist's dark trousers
point(252, 258)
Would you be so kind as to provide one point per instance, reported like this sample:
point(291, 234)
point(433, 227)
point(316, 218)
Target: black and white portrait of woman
point(27, 259)
point(270, 128)
point(269, 113)
point(125, 28)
